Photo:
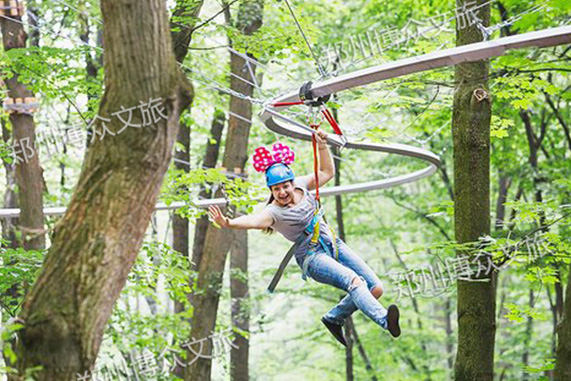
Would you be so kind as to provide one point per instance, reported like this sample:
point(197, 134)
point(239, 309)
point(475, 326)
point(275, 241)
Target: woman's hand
point(321, 138)
point(216, 215)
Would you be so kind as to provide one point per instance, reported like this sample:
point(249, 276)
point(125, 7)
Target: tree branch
point(559, 118)
point(425, 216)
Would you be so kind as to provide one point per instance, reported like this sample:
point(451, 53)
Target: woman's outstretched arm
point(326, 165)
point(261, 220)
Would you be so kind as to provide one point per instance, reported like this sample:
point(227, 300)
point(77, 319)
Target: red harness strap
point(331, 120)
point(315, 165)
point(285, 104)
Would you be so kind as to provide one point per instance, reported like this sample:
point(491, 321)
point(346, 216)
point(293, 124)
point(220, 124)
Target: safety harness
point(313, 229)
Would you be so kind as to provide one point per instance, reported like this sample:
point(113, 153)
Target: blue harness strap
point(313, 247)
point(311, 252)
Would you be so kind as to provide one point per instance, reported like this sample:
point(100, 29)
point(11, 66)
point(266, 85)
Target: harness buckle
point(306, 96)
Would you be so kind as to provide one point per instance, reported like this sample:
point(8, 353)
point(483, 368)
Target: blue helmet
point(278, 173)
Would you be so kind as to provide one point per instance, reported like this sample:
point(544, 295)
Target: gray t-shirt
point(290, 221)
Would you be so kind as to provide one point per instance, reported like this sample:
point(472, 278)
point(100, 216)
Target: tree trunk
point(184, 19)
point(97, 240)
point(181, 37)
point(338, 198)
point(240, 310)
point(528, 336)
point(449, 332)
point(426, 367)
point(29, 177)
point(341, 232)
point(504, 185)
point(34, 31)
point(218, 241)
point(348, 352)
point(9, 225)
point(471, 135)
point(210, 160)
point(563, 355)
point(362, 352)
point(92, 62)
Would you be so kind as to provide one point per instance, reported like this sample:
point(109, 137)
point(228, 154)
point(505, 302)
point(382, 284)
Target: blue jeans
point(324, 268)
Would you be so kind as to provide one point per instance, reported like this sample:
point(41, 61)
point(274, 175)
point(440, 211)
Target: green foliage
point(51, 72)
point(238, 192)
point(158, 267)
point(499, 127)
point(19, 271)
point(8, 337)
point(518, 314)
point(547, 365)
point(9, 333)
point(6, 153)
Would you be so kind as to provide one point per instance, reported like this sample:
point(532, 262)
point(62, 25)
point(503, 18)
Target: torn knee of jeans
point(376, 290)
point(357, 281)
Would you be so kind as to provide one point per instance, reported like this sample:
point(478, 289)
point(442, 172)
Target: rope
point(320, 68)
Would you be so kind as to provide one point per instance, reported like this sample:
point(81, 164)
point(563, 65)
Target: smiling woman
point(295, 213)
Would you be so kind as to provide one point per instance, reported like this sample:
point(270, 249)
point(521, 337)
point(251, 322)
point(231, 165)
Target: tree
point(563, 354)
point(97, 240)
point(218, 241)
point(471, 137)
point(28, 171)
point(183, 22)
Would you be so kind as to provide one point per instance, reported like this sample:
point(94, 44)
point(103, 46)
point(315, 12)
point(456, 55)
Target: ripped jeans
point(324, 268)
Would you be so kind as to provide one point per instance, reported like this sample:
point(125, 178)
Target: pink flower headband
point(263, 159)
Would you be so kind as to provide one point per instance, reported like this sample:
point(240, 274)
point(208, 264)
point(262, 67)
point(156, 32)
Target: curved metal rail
point(473, 52)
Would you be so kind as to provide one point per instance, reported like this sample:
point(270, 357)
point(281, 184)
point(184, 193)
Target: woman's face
point(283, 192)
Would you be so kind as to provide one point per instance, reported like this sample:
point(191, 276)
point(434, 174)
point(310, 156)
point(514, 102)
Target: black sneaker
point(336, 330)
point(393, 320)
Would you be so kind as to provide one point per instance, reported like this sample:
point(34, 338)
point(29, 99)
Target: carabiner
point(314, 117)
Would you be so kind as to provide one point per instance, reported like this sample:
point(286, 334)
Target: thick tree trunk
point(97, 240)
point(218, 241)
point(240, 302)
point(471, 135)
point(29, 177)
point(563, 354)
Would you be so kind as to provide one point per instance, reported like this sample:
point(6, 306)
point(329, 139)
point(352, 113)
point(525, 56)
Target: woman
point(290, 210)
